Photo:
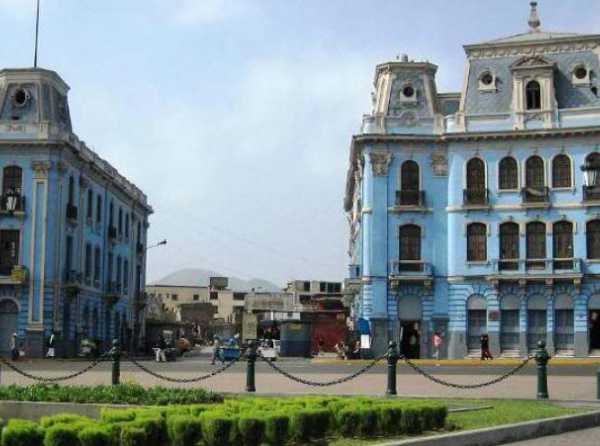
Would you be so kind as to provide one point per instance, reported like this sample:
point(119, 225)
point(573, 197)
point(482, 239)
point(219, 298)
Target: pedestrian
point(161, 350)
point(51, 341)
point(216, 348)
point(14, 347)
point(485, 347)
point(437, 345)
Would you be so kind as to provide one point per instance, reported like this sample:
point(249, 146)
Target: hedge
point(242, 421)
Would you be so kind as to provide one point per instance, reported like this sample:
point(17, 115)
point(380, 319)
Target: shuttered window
point(508, 173)
point(509, 241)
point(475, 174)
point(409, 174)
point(536, 240)
point(533, 92)
point(410, 242)
point(534, 172)
point(11, 180)
point(561, 171)
point(593, 239)
point(476, 242)
point(9, 250)
point(562, 235)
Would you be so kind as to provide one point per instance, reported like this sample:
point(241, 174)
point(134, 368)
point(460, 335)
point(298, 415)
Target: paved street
point(565, 382)
point(587, 437)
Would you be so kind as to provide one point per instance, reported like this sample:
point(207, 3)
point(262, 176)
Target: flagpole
point(37, 32)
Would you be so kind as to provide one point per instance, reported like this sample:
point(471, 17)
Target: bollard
point(598, 383)
point(541, 358)
point(392, 360)
point(116, 362)
point(250, 372)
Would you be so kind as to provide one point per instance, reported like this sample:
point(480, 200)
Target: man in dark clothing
point(485, 347)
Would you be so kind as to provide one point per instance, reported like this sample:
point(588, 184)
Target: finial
point(534, 18)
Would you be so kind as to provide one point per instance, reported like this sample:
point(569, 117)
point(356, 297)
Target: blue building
point(478, 212)
point(72, 229)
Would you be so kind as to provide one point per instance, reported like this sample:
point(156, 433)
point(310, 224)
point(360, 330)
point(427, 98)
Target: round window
point(408, 91)
point(20, 98)
point(581, 72)
point(487, 79)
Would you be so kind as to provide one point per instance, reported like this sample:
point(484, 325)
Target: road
point(587, 437)
point(565, 382)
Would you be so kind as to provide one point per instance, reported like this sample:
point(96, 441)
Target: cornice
point(529, 48)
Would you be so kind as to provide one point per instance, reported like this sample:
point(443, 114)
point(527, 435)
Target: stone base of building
point(380, 337)
point(35, 343)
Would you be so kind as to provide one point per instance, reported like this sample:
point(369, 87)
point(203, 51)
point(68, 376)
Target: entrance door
point(8, 324)
point(536, 328)
point(477, 326)
point(594, 318)
point(564, 330)
point(509, 330)
point(410, 341)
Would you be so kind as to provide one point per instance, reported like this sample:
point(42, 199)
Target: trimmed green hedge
point(245, 422)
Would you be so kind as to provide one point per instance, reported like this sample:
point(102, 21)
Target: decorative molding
point(531, 49)
point(380, 162)
point(439, 163)
point(40, 169)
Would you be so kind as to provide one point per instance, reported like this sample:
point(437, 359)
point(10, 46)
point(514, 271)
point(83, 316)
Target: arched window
point(410, 248)
point(476, 190)
point(562, 244)
point(592, 234)
point(409, 183)
point(536, 244)
point(533, 92)
point(534, 172)
point(561, 171)
point(476, 242)
point(98, 209)
point(509, 246)
point(71, 190)
point(12, 178)
point(508, 173)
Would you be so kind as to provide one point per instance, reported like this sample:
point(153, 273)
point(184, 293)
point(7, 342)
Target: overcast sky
point(235, 117)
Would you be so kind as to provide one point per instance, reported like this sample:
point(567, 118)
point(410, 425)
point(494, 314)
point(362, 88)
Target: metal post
point(541, 358)
point(250, 371)
point(392, 360)
point(598, 383)
point(116, 362)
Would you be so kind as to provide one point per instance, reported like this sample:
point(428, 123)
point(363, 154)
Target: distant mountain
point(199, 277)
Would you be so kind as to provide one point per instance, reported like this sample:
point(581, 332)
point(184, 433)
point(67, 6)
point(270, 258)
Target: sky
point(235, 116)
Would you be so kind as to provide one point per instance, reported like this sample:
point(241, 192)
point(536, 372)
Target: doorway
point(410, 338)
point(8, 324)
point(594, 320)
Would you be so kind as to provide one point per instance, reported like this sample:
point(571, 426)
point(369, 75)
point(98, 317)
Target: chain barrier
point(93, 364)
point(184, 380)
point(430, 377)
point(327, 383)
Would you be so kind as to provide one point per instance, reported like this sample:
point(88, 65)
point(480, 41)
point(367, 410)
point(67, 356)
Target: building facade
point(72, 229)
point(478, 212)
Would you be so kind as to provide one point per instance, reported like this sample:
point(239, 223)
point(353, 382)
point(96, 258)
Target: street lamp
point(162, 242)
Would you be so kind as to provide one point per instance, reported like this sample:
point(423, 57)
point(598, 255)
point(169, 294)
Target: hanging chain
point(501, 378)
point(323, 384)
point(93, 364)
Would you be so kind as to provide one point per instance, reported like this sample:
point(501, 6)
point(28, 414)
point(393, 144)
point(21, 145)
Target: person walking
point(216, 348)
point(14, 347)
point(437, 345)
point(51, 342)
point(485, 347)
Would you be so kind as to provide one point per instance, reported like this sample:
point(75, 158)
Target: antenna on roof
point(37, 33)
point(534, 18)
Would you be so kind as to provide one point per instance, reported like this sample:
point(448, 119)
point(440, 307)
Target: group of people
point(344, 351)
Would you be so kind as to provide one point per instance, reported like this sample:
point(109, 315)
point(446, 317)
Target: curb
point(508, 433)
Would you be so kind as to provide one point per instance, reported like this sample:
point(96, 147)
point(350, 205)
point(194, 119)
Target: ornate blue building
point(479, 211)
point(72, 229)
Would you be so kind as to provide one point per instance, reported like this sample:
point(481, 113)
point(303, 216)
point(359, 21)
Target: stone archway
point(476, 321)
point(9, 314)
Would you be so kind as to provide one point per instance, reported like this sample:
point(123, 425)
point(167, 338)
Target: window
point(410, 242)
point(592, 169)
point(562, 241)
point(508, 174)
point(97, 266)
point(71, 190)
point(120, 222)
point(592, 234)
point(322, 287)
point(109, 270)
point(12, 180)
point(174, 297)
point(9, 254)
point(111, 212)
point(125, 275)
point(90, 204)
point(475, 174)
point(509, 245)
point(99, 209)
point(68, 254)
point(534, 172)
point(239, 296)
point(119, 271)
point(196, 297)
point(88, 262)
point(214, 295)
point(561, 171)
point(536, 242)
point(306, 286)
point(476, 242)
point(127, 225)
point(533, 94)
point(409, 184)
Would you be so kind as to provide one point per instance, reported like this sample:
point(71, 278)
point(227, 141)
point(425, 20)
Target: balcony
point(532, 268)
point(402, 271)
point(12, 203)
point(71, 212)
point(414, 198)
point(591, 193)
point(112, 232)
point(536, 196)
point(476, 197)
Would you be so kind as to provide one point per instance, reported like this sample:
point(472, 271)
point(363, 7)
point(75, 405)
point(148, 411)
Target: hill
point(199, 277)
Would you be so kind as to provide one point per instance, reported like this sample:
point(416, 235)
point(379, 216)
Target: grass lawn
point(503, 412)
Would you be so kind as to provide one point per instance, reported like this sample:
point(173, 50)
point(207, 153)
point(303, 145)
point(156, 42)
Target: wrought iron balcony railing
point(591, 193)
point(535, 195)
point(476, 197)
point(411, 268)
point(410, 198)
point(537, 266)
point(12, 203)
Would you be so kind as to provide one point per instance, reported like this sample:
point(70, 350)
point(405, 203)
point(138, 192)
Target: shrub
point(22, 433)
point(347, 421)
point(367, 425)
point(116, 415)
point(134, 436)
point(154, 426)
point(389, 421)
point(184, 430)
point(251, 429)
point(61, 435)
point(411, 422)
point(277, 429)
point(63, 418)
point(216, 429)
point(95, 436)
point(306, 424)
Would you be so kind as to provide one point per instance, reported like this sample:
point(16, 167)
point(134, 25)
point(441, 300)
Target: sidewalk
point(556, 361)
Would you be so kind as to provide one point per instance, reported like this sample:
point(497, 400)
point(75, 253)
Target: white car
point(268, 352)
